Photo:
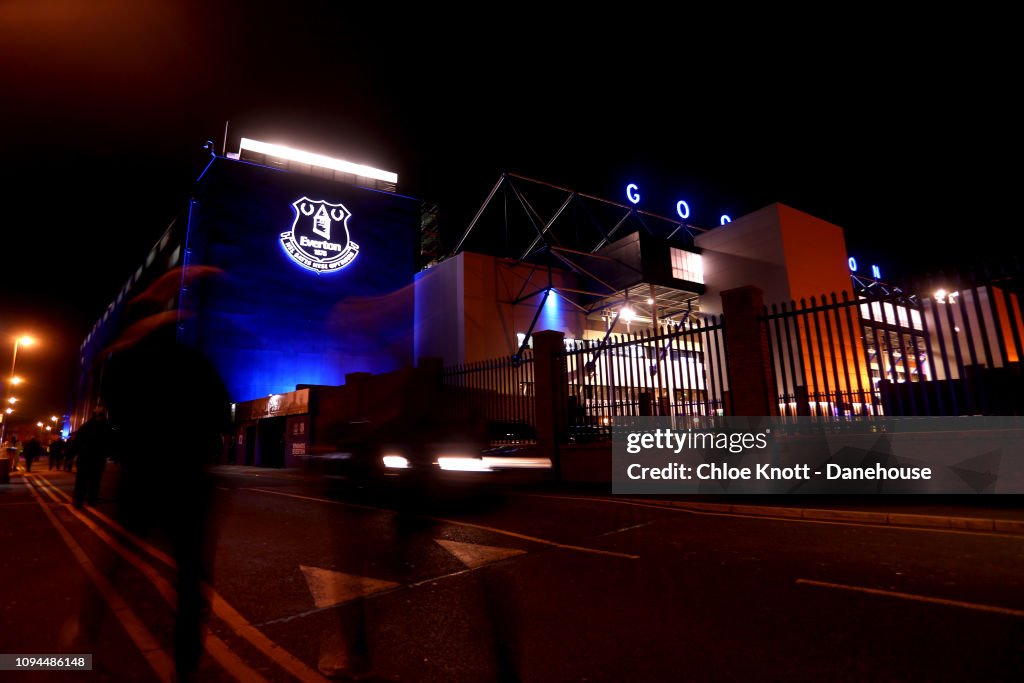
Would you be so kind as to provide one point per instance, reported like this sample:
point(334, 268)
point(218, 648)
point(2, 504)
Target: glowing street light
point(23, 340)
point(39, 424)
point(12, 400)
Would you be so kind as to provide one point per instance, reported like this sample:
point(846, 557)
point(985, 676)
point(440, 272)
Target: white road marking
point(475, 555)
point(994, 609)
point(218, 605)
point(330, 588)
point(159, 659)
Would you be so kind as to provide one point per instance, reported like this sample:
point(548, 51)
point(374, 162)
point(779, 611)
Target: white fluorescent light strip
point(282, 152)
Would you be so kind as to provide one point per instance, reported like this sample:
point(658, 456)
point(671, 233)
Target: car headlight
point(395, 462)
point(463, 464)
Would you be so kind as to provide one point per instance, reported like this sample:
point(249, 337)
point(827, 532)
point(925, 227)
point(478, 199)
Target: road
point(531, 585)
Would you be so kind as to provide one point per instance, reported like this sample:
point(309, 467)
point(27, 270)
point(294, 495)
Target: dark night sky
point(890, 127)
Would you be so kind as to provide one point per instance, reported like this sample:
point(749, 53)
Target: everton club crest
point(319, 237)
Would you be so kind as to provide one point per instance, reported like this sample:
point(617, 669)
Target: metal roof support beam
point(547, 226)
point(603, 344)
point(479, 212)
point(583, 271)
point(529, 279)
point(681, 226)
point(533, 323)
point(598, 256)
point(608, 237)
point(593, 221)
point(532, 294)
point(530, 213)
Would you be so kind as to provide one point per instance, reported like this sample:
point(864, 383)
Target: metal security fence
point(953, 348)
point(817, 358)
point(500, 391)
point(676, 372)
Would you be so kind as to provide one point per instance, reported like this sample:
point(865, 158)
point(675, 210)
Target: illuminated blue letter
point(853, 264)
point(724, 219)
point(683, 209)
point(876, 272)
point(632, 194)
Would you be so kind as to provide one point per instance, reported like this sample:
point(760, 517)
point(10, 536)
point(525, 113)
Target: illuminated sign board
point(876, 272)
point(631, 193)
point(682, 208)
point(319, 238)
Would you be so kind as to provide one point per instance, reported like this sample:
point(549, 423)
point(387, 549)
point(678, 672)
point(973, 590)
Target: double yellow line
point(159, 659)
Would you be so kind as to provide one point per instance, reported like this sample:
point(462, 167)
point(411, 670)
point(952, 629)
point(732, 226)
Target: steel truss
point(565, 228)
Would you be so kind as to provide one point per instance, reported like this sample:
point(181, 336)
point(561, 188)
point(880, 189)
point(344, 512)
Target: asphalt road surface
point(517, 585)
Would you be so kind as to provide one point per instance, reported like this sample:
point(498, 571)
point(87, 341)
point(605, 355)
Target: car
point(398, 453)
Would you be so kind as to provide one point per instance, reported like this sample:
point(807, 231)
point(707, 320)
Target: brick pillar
point(550, 388)
point(751, 387)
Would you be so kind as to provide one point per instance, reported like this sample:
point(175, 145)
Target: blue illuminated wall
point(269, 324)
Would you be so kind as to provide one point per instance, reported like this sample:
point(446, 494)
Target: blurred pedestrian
point(56, 453)
point(170, 407)
point(12, 452)
point(94, 443)
point(69, 453)
point(32, 450)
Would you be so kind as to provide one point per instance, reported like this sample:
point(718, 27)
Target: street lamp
point(23, 340)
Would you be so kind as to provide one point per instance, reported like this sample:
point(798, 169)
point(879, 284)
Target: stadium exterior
point(298, 277)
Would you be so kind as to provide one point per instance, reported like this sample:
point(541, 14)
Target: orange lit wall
point(816, 264)
point(492, 321)
point(465, 310)
point(815, 254)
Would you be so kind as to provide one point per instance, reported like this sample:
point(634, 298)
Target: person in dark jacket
point(170, 407)
point(33, 449)
point(56, 453)
point(94, 443)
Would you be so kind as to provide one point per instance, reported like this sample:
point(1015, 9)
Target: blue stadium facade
point(281, 274)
